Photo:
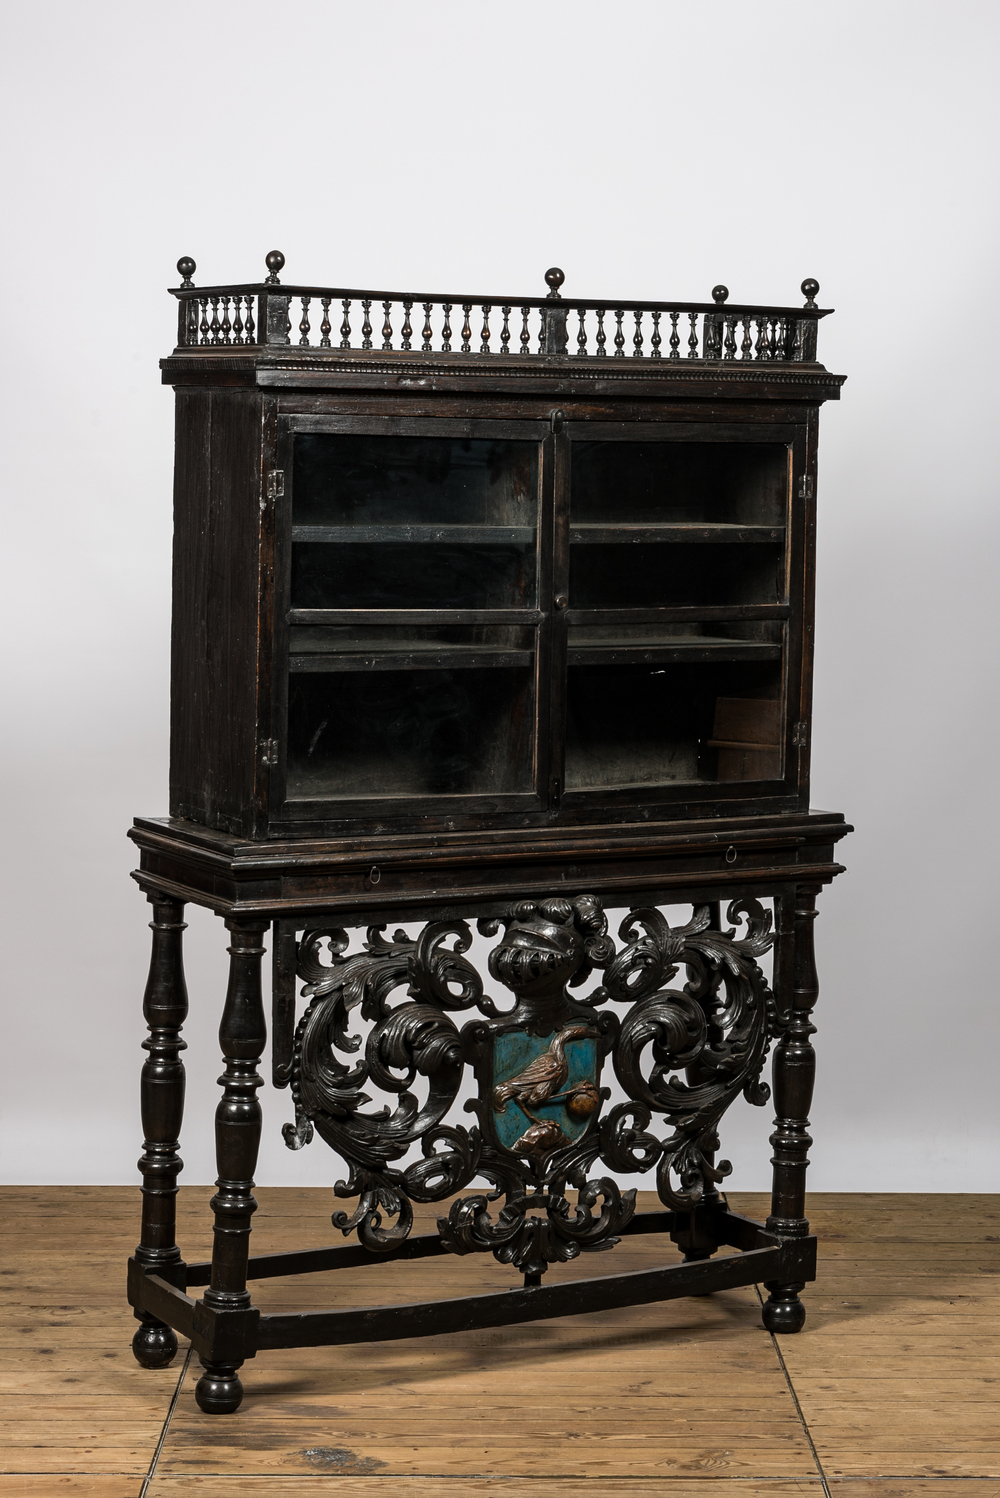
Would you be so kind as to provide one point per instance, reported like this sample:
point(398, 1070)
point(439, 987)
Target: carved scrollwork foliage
point(681, 1052)
point(532, 1241)
point(415, 1038)
point(717, 1029)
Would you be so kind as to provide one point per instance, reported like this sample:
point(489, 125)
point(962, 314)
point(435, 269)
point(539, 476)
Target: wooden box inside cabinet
point(497, 608)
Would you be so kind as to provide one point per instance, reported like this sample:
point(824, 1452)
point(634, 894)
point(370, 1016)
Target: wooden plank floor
point(890, 1392)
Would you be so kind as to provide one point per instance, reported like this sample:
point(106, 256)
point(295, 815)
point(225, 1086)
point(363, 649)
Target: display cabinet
point(495, 609)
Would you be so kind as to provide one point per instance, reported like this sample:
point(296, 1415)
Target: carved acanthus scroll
point(684, 1053)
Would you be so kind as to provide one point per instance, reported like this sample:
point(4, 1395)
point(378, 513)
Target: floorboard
point(891, 1391)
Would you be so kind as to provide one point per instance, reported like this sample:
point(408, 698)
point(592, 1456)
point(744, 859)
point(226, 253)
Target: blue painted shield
point(545, 1087)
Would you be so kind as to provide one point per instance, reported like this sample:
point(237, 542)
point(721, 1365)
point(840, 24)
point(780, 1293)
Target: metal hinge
point(269, 752)
point(806, 486)
point(275, 486)
point(800, 734)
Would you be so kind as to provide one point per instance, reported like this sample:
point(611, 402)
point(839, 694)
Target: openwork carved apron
point(680, 1053)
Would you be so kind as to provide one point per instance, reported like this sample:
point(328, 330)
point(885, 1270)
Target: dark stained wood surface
point(218, 593)
point(449, 871)
point(232, 558)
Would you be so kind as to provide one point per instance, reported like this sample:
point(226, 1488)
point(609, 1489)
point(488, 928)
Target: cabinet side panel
point(808, 605)
point(214, 636)
point(190, 775)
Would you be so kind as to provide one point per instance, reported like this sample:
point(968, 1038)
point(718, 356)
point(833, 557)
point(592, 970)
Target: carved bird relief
point(540, 1083)
point(540, 1139)
point(543, 1077)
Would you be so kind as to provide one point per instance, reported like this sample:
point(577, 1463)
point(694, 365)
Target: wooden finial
point(719, 294)
point(274, 261)
point(554, 279)
point(186, 269)
point(809, 289)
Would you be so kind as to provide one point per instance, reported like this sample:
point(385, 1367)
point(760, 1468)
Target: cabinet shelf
point(415, 656)
point(668, 531)
point(673, 649)
point(681, 614)
point(452, 535)
point(360, 617)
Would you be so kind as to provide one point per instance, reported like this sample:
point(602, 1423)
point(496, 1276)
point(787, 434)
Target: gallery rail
point(263, 315)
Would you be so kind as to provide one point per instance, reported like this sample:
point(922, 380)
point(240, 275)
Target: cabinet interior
point(432, 615)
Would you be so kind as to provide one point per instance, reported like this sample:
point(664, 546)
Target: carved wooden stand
point(541, 1110)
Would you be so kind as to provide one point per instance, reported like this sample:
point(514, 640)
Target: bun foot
point(219, 1390)
point(155, 1345)
point(783, 1311)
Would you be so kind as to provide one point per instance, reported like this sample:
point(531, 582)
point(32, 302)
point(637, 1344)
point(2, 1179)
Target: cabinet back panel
point(714, 482)
point(403, 576)
point(648, 725)
point(347, 479)
point(638, 575)
point(409, 733)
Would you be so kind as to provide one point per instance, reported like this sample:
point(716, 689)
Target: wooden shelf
point(419, 535)
point(361, 617)
point(623, 535)
point(415, 656)
point(524, 535)
point(693, 613)
point(672, 649)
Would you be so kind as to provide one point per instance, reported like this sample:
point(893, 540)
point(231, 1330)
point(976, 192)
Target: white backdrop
point(650, 149)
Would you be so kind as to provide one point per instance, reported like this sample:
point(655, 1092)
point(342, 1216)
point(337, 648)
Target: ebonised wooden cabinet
point(501, 608)
point(483, 598)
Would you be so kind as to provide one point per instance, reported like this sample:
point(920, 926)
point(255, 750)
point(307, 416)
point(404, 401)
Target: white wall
point(650, 149)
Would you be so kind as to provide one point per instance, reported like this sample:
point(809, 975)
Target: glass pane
point(634, 575)
point(394, 576)
point(639, 725)
point(409, 733)
point(374, 480)
point(677, 482)
point(413, 522)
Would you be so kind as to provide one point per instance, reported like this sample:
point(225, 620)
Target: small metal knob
point(561, 601)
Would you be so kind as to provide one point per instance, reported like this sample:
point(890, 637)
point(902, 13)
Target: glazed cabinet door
point(679, 553)
point(412, 619)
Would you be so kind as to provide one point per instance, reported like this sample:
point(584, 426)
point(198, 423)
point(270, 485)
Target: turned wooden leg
point(797, 989)
point(165, 1007)
point(242, 1036)
point(693, 1233)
